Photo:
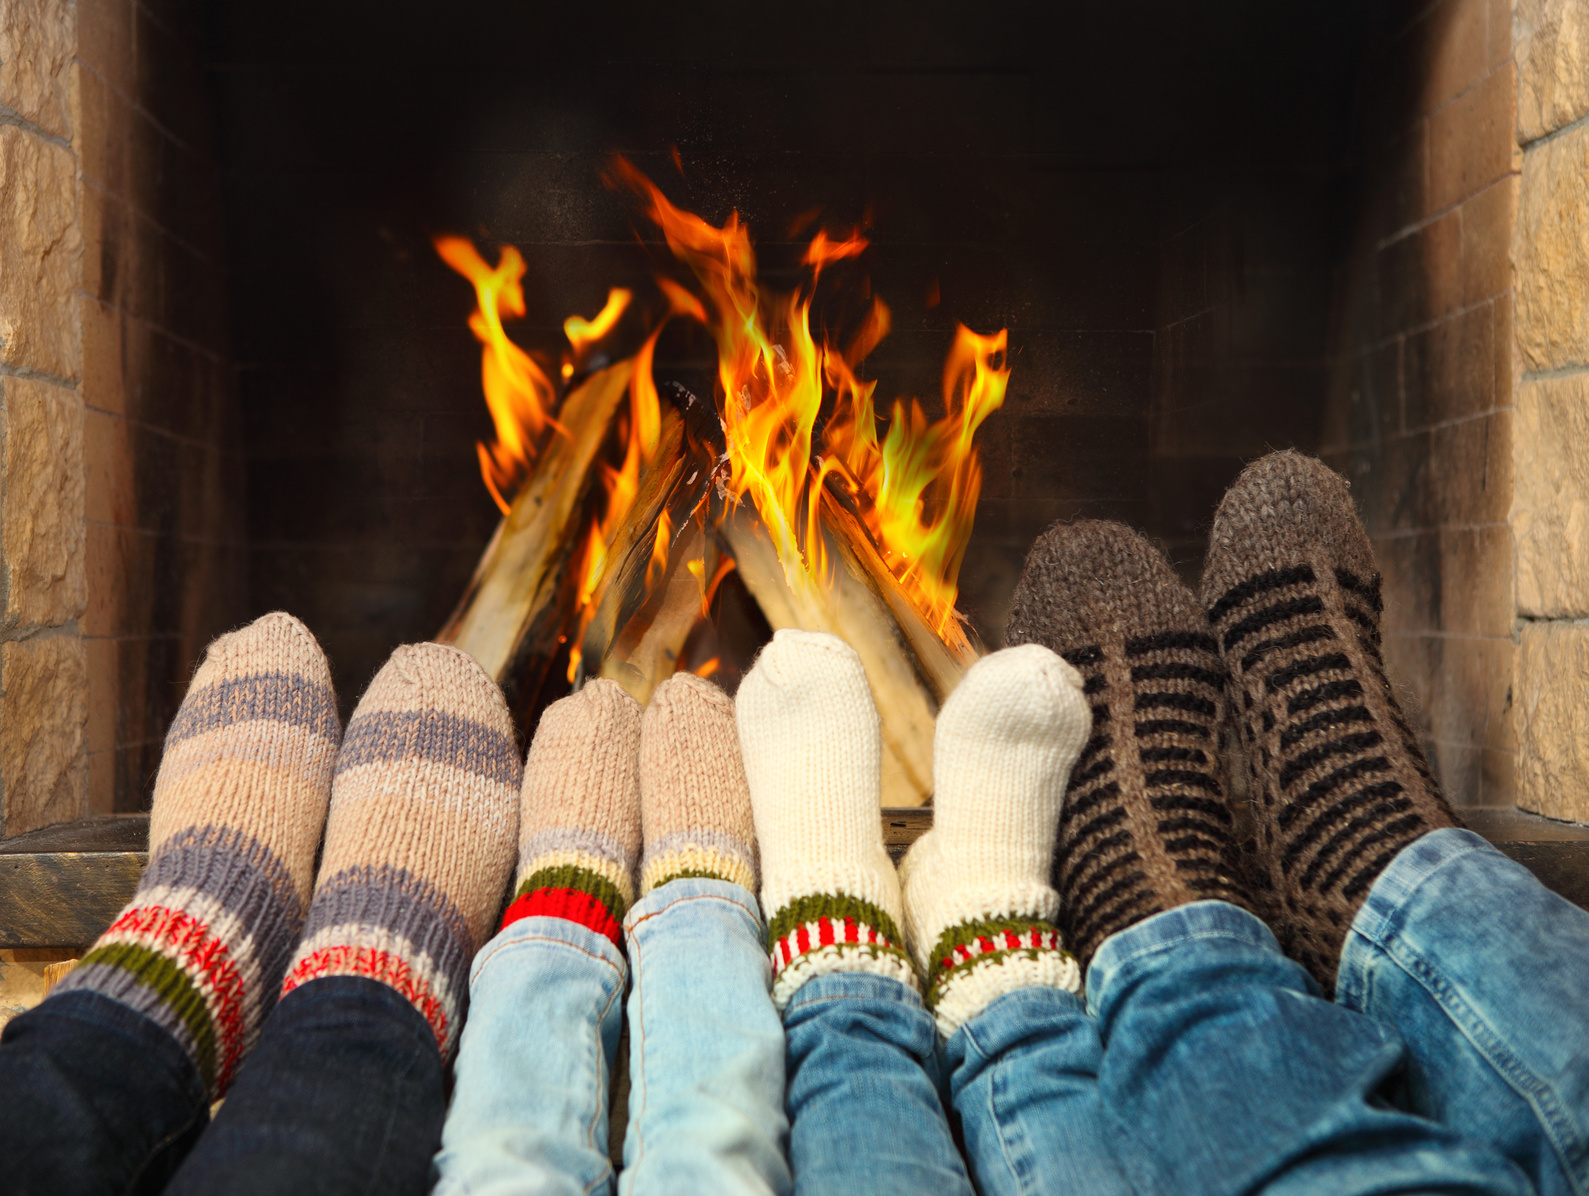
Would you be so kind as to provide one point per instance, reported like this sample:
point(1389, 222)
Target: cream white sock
point(813, 758)
point(979, 910)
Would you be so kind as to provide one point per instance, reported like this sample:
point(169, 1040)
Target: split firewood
point(515, 605)
point(647, 651)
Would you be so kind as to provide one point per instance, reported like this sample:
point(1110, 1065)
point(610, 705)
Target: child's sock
point(694, 805)
point(813, 758)
point(579, 823)
point(979, 911)
point(1145, 826)
point(1340, 785)
point(239, 805)
point(420, 836)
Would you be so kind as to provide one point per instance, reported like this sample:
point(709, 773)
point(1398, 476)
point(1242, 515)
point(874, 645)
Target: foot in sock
point(420, 835)
point(979, 910)
point(239, 804)
point(579, 822)
point(695, 811)
point(813, 758)
point(1340, 785)
point(1145, 825)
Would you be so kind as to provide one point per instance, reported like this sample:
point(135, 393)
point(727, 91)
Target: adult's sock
point(812, 745)
point(239, 805)
point(1145, 825)
point(695, 811)
point(1340, 785)
point(979, 909)
point(579, 823)
point(420, 835)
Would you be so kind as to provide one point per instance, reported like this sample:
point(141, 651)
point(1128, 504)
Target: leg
point(529, 1112)
point(1222, 1070)
point(706, 1048)
point(863, 1092)
point(979, 911)
point(346, 1093)
point(113, 1075)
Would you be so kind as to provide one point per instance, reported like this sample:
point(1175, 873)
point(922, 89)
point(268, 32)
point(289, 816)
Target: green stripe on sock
point(162, 974)
point(583, 880)
point(838, 906)
point(687, 873)
point(966, 933)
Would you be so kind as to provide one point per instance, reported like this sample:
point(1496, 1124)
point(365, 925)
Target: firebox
point(1194, 233)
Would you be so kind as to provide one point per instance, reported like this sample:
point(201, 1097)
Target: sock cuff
point(698, 853)
point(933, 910)
point(573, 891)
point(875, 883)
point(978, 967)
point(819, 933)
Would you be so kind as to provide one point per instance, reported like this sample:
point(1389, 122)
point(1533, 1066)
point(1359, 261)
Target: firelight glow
point(915, 489)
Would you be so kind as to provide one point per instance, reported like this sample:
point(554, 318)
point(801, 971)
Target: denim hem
point(690, 888)
point(106, 1014)
point(1002, 1009)
point(1197, 920)
point(540, 931)
point(852, 986)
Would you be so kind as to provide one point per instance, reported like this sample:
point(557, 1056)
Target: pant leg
point(534, 1074)
point(1023, 1079)
point(864, 1109)
point(343, 1094)
point(98, 1099)
point(1224, 1071)
point(706, 1047)
point(1484, 973)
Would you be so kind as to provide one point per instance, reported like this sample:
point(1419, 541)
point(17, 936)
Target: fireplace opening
point(1206, 232)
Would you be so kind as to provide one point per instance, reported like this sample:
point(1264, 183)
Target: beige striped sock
point(694, 804)
point(419, 842)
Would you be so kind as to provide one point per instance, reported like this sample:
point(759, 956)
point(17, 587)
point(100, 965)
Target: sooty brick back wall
point(1153, 201)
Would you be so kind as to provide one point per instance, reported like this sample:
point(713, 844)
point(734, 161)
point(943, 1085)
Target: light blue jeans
point(706, 1055)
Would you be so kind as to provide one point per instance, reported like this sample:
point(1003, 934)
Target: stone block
point(38, 227)
point(105, 40)
point(1420, 275)
point(37, 38)
point(1449, 371)
point(1454, 45)
point(110, 488)
point(1550, 500)
point(1551, 686)
point(43, 707)
point(1471, 141)
point(42, 505)
point(107, 353)
point(1548, 252)
point(1487, 221)
point(1551, 45)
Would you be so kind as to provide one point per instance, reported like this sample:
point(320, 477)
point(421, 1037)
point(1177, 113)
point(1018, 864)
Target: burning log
point(511, 609)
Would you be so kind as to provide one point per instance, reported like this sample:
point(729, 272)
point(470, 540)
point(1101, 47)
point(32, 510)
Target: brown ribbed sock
point(1340, 785)
point(1145, 825)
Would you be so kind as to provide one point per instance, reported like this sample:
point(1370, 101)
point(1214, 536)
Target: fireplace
point(243, 379)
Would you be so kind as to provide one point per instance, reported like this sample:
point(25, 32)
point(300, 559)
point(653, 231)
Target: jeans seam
point(637, 1048)
point(1162, 944)
point(603, 1097)
point(1488, 1044)
point(1004, 1143)
point(491, 951)
point(837, 997)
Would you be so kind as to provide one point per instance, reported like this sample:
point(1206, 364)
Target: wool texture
point(1339, 783)
point(695, 813)
point(979, 909)
point(239, 804)
point(579, 823)
point(1145, 826)
point(813, 753)
point(419, 840)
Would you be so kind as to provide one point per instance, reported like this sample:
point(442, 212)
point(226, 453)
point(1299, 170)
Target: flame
point(915, 488)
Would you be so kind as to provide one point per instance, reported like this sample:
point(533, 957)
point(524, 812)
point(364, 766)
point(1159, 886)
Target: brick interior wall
point(1420, 408)
point(163, 463)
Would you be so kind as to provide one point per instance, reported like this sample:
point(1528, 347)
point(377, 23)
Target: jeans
point(1484, 974)
point(706, 1071)
point(343, 1093)
point(1223, 1071)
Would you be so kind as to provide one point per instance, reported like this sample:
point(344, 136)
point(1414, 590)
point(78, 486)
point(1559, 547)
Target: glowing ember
point(915, 489)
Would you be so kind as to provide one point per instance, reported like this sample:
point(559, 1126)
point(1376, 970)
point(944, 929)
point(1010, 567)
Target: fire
point(915, 489)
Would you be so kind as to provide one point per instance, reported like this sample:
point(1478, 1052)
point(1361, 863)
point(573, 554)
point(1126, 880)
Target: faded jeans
point(706, 1055)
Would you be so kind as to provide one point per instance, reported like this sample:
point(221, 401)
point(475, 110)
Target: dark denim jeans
point(343, 1093)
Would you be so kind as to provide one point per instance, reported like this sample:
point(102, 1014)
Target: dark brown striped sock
point(1145, 825)
point(1339, 783)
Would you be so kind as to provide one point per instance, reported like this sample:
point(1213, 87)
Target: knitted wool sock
point(813, 758)
point(1340, 786)
point(579, 822)
point(420, 835)
point(239, 804)
point(1145, 826)
point(979, 911)
point(694, 805)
